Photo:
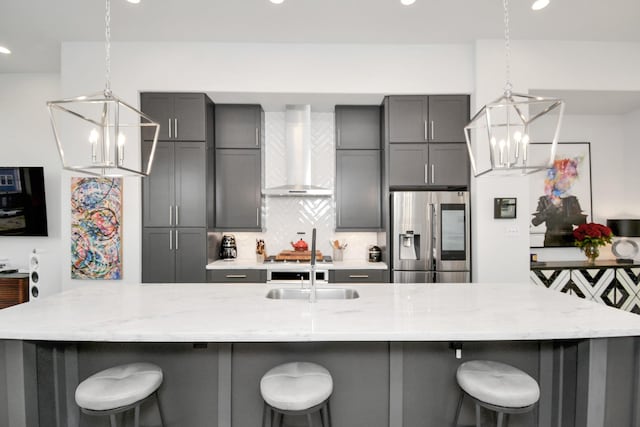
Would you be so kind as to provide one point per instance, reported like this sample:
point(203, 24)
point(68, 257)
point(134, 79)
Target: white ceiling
point(34, 30)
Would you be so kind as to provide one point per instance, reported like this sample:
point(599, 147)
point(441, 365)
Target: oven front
point(283, 277)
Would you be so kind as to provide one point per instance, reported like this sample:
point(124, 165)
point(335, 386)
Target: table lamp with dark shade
point(624, 248)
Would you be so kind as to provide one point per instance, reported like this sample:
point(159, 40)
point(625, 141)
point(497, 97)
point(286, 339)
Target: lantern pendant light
point(498, 136)
point(92, 131)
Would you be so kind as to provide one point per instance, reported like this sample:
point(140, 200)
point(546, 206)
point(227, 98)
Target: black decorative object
point(624, 248)
point(504, 207)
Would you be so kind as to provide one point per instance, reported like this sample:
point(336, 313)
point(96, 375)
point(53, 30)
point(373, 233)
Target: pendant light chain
point(107, 46)
point(507, 48)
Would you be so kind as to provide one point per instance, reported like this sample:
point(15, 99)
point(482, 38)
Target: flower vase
point(591, 252)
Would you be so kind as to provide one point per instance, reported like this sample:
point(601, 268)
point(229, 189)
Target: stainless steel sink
point(321, 293)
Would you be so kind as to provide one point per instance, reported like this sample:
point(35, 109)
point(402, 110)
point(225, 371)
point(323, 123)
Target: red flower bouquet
point(590, 236)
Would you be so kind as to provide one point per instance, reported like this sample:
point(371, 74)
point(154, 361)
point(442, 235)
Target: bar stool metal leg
point(309, 419)
point(500, 419)
point(112, 418)
point(159, 409)
point(478, 416)
point(455, 422)
point(136, 416)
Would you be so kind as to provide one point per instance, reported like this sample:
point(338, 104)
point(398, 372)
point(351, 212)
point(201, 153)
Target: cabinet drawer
point(237, 275)
point(356, 276)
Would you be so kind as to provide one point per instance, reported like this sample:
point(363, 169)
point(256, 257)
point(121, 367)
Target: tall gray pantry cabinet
point(358, 168)
point(175, 207)
point(427, 148)
point(239, 136)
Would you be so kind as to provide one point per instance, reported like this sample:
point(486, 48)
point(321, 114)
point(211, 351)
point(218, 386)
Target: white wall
point(498, 255)
point(26, 139)
point(203, 67)
point(631, 134)
point(501, 250)
point(608, 155)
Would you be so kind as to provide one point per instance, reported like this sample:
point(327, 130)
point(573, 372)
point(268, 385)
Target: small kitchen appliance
point(375, 254)
point(228, 249)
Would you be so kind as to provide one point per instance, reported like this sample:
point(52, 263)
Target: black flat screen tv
point(23, 209)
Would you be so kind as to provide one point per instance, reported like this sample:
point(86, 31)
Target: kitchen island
point(391, 350)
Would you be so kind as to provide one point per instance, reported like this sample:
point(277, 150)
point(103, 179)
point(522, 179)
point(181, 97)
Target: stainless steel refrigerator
point(430, 239)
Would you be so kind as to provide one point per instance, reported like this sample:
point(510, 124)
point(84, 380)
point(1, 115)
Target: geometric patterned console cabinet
point(606, 282)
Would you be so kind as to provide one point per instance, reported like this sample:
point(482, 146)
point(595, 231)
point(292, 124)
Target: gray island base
point(390, 352)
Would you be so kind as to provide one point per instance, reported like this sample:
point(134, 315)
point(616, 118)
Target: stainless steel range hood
point(298, 153)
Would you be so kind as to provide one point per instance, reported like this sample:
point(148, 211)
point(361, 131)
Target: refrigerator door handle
point(434, 236)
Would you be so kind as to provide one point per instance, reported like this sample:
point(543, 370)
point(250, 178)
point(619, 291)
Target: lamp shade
point(624, 227)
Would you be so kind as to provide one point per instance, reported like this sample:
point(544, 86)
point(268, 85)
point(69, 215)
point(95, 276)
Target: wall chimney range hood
point(298, 156)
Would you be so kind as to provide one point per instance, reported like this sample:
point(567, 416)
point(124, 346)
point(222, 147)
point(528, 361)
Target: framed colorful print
point(96, 228)
point(561, 195)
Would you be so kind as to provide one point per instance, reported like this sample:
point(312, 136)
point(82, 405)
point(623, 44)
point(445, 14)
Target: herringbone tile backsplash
point(285, 216)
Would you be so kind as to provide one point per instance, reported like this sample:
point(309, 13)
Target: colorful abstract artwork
point(96, 228)
point(561, 195)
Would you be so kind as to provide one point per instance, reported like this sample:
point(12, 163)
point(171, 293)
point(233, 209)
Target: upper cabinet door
point(358, 190)
point(408, 118)
point(448, 115)
point(238, 183)
point(449, 165)
point(408, 165)
point(238, 126)
point(189, 117)
point(158, 106)
point(181, 116)
point(357, 127)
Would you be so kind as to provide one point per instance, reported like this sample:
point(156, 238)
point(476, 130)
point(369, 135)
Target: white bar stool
point(119, 389)
point(498, 387)
point(296, 388)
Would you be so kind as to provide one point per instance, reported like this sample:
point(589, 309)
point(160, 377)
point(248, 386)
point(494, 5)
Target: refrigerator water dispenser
point(409, 246)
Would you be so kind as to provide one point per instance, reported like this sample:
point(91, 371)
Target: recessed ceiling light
point(407, 2)
point(134, 1)
point(539, 4)
point(276, 1)
point(4, 50)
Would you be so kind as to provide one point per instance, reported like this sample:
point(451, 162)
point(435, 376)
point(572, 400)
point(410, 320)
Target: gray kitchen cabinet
point(408, 118)
point(428, 165)
point(182, 116)
point(408, 165)
point(357, 127)
point(174, 194)
point(449, 164)
point(238, 126)
point(174, 255)
point(358, 190)
point(448, 115)
point(177, 196)
point(357, 276)
point(191, 254)
point(422, 118)
point(238, 202)
point(237, 276)
point(158, 256)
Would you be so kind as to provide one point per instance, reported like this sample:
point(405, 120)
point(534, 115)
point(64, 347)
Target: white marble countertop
point(335, 265)
point(232, 313)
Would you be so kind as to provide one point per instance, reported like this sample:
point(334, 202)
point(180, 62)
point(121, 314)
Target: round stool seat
point(498, 384)
point(118, 386)
point(296, 386)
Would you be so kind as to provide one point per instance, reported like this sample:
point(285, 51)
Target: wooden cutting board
point(297, 255)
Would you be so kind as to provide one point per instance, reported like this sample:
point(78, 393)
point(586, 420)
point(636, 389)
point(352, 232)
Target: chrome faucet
point(312, 273)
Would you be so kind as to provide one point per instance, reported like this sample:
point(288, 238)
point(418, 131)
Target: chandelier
point(498, 136)
point(92, 131)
